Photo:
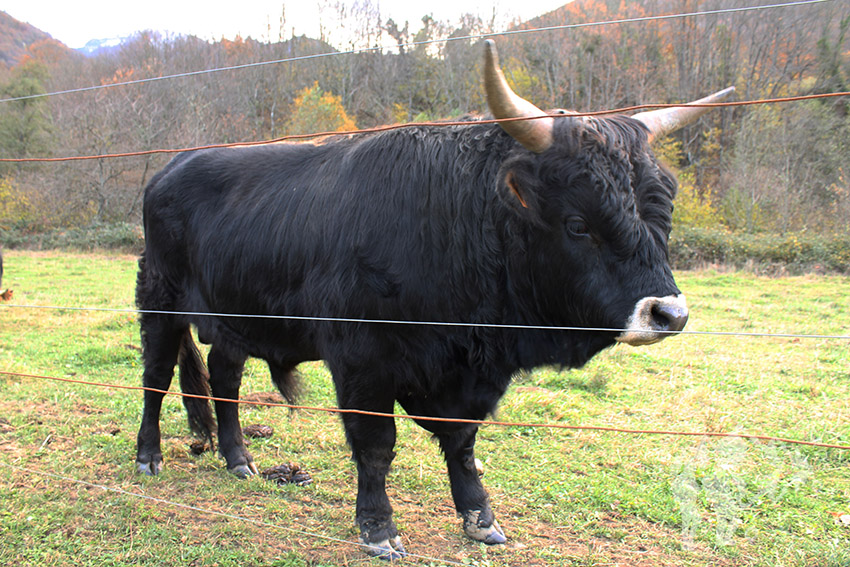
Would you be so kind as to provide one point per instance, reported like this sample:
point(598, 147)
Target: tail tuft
point(286, 380)
point(195, 380)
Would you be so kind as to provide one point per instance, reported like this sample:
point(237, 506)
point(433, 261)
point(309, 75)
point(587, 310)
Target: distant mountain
point(98, 46)
point(15, 38)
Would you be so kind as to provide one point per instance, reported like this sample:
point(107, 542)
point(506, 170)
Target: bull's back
point(263, 231)
point(227, 206)
point(364, 228)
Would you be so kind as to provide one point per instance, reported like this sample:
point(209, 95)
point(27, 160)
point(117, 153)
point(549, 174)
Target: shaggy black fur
point(455, 224)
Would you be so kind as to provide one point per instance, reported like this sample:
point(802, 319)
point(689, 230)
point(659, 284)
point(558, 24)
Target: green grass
point(565, 497)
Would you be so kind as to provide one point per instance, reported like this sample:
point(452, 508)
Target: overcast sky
point(76, 22)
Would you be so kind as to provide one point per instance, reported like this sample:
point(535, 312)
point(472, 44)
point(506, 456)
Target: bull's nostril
point(669, 317)
point(659, 318)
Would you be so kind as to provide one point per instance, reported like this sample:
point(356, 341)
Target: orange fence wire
point(600, 428)
point(298, 137)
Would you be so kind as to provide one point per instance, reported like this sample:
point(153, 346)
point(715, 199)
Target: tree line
point(775, 167)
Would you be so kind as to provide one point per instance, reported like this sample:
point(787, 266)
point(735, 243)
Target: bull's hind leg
point(161, 345)
point(225, 370)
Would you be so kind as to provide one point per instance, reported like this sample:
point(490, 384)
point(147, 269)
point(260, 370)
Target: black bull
point(552, 222)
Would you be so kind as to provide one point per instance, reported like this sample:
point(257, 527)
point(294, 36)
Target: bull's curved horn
point(666, 120)
point(534, 135)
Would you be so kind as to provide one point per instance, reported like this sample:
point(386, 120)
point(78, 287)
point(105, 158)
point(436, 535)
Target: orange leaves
point(236, 49)
point(315, 110)
point(48, 51)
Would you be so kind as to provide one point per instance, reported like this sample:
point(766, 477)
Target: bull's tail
point(194, 380)
point(286, 380)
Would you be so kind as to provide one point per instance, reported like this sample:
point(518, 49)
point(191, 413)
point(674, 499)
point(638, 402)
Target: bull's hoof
point(244, 471)
point(151, 468)
point(388, 549)
point(491, 535)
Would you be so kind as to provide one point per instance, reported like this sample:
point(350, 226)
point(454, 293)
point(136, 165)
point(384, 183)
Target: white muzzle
point(655, 318)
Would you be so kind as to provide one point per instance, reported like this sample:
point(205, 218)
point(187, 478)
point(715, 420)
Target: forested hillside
point(774, 168)
point(17, 37)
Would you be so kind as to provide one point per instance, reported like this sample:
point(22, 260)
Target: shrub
point(694, 205)
point(315, 110)
point(16, 208)
point(693, 208)
point(125, 237)
point(795, 252)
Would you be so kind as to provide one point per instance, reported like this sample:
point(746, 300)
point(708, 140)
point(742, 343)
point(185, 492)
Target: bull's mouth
point(654, 319)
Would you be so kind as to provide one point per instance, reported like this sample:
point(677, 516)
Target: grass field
point(69, 494)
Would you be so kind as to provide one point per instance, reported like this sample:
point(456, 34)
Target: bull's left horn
point(667, 120)
point(534, 135)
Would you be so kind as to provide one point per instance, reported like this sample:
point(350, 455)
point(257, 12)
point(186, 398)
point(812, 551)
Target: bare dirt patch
point(263, 398)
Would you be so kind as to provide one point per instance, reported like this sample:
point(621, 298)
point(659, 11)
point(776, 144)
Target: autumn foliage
point(769, 168)
point(315, 110)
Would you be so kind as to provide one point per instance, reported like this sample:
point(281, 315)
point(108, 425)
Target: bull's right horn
point(534, 135)
point(664, 121)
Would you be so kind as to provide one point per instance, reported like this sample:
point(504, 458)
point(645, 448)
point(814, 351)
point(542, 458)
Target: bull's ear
point(516, 190)
point(519, 189)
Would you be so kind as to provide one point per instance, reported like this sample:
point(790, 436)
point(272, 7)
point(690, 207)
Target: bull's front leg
point(470, 497)
point(372, 440)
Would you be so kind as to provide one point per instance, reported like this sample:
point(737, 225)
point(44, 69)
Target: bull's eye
point(577, 228)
